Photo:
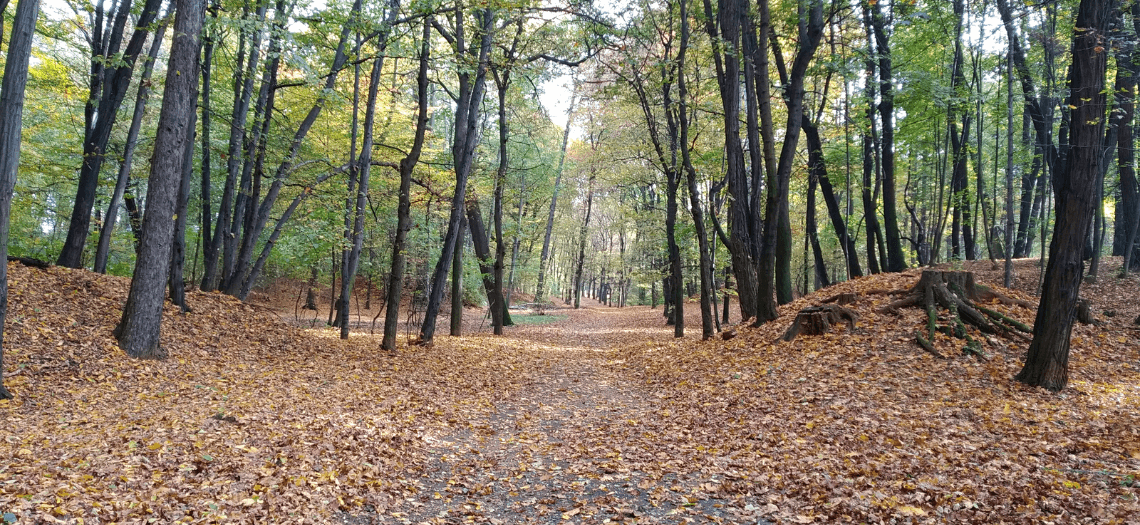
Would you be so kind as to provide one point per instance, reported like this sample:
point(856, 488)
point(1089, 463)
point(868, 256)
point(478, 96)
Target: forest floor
point(589, 416)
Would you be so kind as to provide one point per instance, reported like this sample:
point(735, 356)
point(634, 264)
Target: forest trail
point(560, 447)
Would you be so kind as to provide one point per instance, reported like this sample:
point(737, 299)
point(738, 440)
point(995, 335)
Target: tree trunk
point(209, 250)
point(241, 280)
point(107, 90)
point(817, 166)
point(403, 210)
point(813, 235)
point(896, 261)
point(870, 216)
point(704, 251)
point(103, 249)
point(138, 331)
point(480, 240)
point(810, 33)
point(743, 245)
point(471, 89)
point(11, 122)
point(457, 280)
point(1009, 226)
point(1047, 362)
point(582, 242)
point(178, 250)
point(540, 289)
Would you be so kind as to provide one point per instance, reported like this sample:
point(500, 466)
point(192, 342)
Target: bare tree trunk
point(471, 90)
point(457, 280)
point(107, 90)
point(1009, 234)
point(103, 249)
point(138, 331)
point(540, 289)
point(178, 249)
point(403, 210)
point(582, 242)
point(11, 122)
point(1047, 362)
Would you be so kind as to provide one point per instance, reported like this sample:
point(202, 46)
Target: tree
point(468, 100)
point(810, 33)
point(138, 331)
point(403, 210)
point(540, 288)
point(110, 75)
point(103, 248)
point(877, 23)
point(1074, 187)
point(11, 123)
point(355, 235)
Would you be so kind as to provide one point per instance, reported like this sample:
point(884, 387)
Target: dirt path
point(570, 446)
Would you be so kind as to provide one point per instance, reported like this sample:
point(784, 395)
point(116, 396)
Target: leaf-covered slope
point(852, 426)
point(247, 419)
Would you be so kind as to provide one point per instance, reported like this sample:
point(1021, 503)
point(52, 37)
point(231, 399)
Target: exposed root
point(958, 293)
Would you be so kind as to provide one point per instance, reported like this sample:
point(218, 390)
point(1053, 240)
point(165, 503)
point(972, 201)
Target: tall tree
point(138, 331)
point(103, 248)
point(109, 78)
point(364, 172)
point(873, 13)
point(810, 32)
point(11, 123)
point(1046, 364)
point(471, 87)
point(683, 119)
point(724, 29)
point(403, 208)
point(540, 288)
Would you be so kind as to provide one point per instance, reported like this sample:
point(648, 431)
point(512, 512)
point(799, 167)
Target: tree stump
point(818, 320)
point(960, 294)
point(1084, 312)
point(843, 298)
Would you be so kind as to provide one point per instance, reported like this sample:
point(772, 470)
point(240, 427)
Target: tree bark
point(582, 242)
point(896, 261)
point(818, 166)
point(708, 306)
point(139, 330)
point(540, 289)
point(364, 171)
point(107, 90)
point(11, 123)
point(103, 248)
point(178, 249)
point(472, 84)
point(744, 238)
point(1047, 362)
point(810, 33)
point(403, 210)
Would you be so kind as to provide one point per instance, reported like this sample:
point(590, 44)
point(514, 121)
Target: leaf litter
point(600, 417)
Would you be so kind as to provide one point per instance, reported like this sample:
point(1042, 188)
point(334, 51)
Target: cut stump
point(818, 320)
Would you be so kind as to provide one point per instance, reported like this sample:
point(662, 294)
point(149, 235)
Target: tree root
point(957, 293)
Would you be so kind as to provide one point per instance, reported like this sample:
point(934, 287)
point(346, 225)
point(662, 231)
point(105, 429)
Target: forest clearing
point(600, 416)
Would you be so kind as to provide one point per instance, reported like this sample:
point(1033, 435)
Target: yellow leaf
point(907, 510)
